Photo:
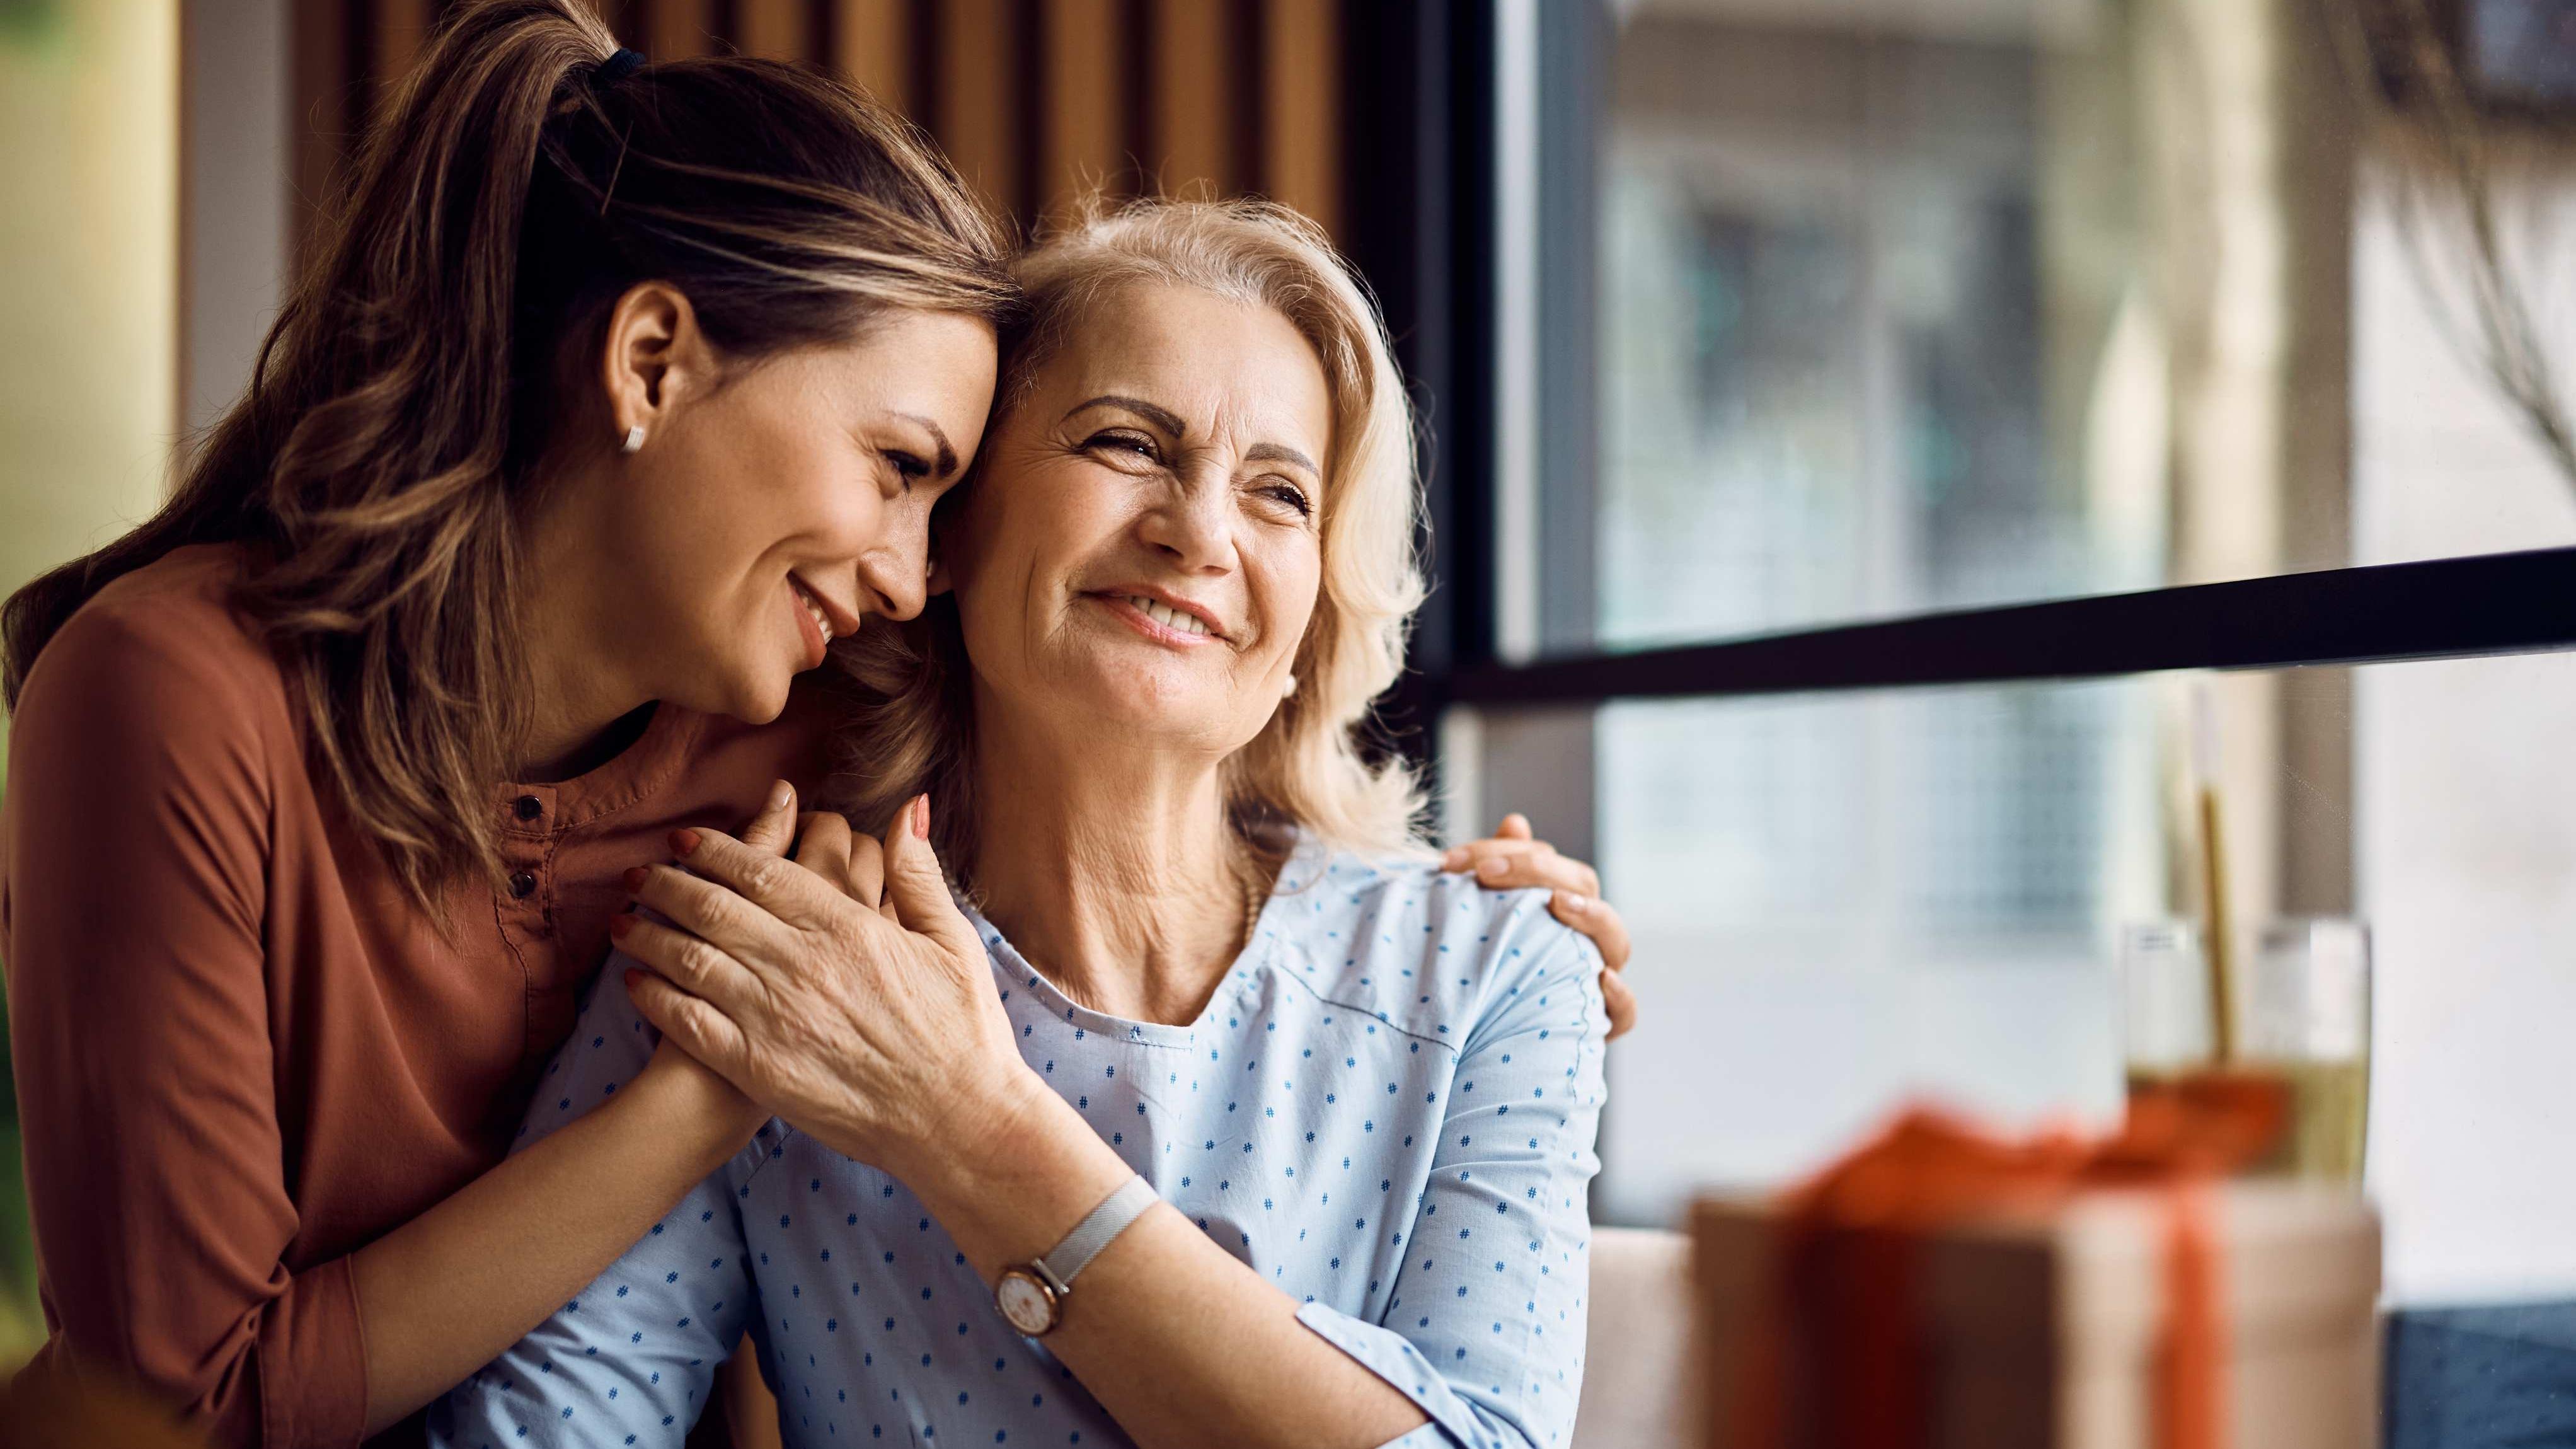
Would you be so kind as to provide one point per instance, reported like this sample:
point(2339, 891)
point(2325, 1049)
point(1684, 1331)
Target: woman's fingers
point(1535, 865)
point(843, 857)
point(1620, 1000)
point(823, 845)
point(1596, 918)
point(703, 908)
point(770, 881)
point(918, 889)
point(775, 825)
point(696, 1026)
point(689, 963)
point(1501, 864)
point(867, 878)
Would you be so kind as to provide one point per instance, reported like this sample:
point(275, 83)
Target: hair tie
point(617, 67)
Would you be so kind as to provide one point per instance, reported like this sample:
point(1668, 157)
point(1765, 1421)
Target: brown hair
point(387, 447)
point(912, 719)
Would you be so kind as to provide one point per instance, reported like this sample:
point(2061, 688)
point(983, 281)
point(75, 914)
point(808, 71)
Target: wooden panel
point(775, 29)
point(1192, 103)
point(1082, 143)
point(625, 17)
point(1302, 101)
point(400, 31)
point(321, 123)
point(872, 46)
point(679, 29)
point(978, 120)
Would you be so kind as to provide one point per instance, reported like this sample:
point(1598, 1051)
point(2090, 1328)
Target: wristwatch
point(1030, 1296)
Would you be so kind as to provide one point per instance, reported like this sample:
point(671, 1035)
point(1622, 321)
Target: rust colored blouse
point(241, 1052)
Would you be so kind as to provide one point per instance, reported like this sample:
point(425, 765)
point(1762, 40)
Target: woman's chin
point(753, 696)
point(1145, 706)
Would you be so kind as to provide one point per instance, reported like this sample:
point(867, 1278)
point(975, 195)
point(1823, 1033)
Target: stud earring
point(634, 439)
point(1291, 691)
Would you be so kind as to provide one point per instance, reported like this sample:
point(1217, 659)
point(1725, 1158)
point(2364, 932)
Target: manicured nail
point(683, 841)
point(633, 976)
point(1493, 867)
point(1573, 904)
point(635, 879)
point(619, 925)
point(921, 817)
point(781, 794)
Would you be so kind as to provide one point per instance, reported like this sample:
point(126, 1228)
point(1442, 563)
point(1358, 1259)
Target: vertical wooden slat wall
point(1038, 101)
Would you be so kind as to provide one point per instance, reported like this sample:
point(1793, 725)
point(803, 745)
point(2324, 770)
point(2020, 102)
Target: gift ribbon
point(1846, 1332)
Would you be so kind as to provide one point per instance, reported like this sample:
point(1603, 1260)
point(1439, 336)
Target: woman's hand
point(875, 1030)
point(1511, 860)
point(770, 832)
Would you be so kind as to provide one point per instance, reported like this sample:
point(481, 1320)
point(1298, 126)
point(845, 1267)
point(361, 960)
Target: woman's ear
point(654, 360)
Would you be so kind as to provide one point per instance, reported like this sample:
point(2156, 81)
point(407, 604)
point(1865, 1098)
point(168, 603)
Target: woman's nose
point(895, 588)
point(1192, 522)
point(894, 574)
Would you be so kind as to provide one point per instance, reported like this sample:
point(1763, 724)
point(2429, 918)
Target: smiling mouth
point(813, 609)
point(1164, 614)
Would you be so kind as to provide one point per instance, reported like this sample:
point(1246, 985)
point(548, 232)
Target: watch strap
point(1095, 1232)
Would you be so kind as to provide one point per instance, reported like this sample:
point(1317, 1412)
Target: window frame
point(1421, 171)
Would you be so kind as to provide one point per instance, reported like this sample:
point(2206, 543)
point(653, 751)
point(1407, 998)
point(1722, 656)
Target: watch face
point(1025, 1302)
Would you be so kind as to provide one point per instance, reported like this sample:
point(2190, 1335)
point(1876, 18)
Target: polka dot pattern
point(1387, 1110)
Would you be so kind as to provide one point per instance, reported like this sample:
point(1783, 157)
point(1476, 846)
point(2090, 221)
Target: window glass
point(1860, 286)
point(1916, 304)
point(1841, 902)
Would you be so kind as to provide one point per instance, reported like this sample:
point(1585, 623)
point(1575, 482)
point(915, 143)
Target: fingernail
point(619, 925)
point(780, 793)
point(921, 817)
point(684, 841)
point(633, 976)
point(635, 879)
point(1456, 859)
point(1492, 867)
point(1572, 904)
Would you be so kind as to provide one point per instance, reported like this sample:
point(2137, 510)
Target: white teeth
point(815, 612)
point(1167, 616)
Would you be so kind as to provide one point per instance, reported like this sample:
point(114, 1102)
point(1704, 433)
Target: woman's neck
point(583, 709)
point(1111, 867)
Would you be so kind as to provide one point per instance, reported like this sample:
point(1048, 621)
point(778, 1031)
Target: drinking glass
point(2164, 996)
point(2305, 1009)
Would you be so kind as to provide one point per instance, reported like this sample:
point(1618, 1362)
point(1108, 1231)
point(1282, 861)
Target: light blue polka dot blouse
point(1387, 1110)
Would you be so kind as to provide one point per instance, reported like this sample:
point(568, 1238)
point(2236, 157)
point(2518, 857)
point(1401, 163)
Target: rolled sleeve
point(1392, 1357)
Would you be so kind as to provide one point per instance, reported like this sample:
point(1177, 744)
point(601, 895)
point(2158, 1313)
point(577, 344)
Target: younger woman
point(617, 393)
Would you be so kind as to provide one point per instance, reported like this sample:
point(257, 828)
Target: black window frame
point(1420, 169)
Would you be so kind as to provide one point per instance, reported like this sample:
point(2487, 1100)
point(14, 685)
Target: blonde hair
point(912, 717)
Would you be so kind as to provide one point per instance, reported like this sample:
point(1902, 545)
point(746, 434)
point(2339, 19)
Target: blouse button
point(530, 807)
point(523, 885)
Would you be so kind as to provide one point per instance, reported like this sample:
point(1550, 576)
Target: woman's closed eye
point(1279, 492)
point(907, 466)
point(1125, 446)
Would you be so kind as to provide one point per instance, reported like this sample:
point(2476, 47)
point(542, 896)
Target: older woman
point(1220, 1115)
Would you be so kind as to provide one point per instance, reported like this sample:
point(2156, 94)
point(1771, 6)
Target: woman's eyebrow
point(946, 463)
point(1161, 417)
point(1280, 453)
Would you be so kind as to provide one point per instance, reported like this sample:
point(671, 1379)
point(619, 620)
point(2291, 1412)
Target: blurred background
point(1730, 318)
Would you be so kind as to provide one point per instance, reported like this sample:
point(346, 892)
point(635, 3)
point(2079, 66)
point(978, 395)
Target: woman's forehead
point(1202, 356)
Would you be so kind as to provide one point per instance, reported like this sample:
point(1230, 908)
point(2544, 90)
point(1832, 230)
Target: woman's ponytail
point(378, 464)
